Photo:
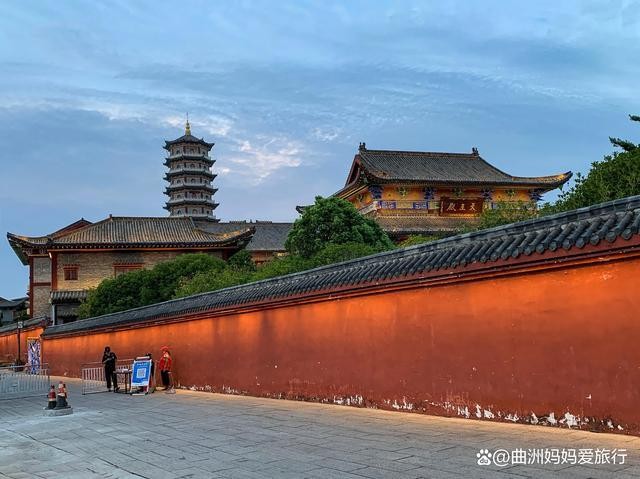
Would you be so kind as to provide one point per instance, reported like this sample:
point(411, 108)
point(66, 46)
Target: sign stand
point(141, 375)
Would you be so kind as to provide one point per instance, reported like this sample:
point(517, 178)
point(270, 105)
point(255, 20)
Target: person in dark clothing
point(109, 359)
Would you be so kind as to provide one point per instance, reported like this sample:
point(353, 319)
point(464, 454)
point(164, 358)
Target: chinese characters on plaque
point(460, 206)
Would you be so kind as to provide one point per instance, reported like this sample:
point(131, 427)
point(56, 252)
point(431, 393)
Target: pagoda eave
point(172, 159)
point(196, 202)
point(173, 173)
point(187, 138)
point(191, 187)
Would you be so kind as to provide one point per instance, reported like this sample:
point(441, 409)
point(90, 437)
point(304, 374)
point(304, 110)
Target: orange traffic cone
point(61, 398)
point(51, 404)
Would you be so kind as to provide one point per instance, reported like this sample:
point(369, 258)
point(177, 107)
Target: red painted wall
point(9, 344)
point(532, 343)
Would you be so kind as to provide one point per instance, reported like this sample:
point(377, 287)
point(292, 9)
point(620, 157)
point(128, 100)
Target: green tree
point(242, 261)
point(506, 212)
point(616, 176)
point(336, 253)
point(417, 239)
point(139, 288)
point(212, 281)
point(117, 294)
point(625, 144)
point(281, 266)
point(333, 220)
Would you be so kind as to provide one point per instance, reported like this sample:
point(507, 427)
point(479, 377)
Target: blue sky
point(90, 90)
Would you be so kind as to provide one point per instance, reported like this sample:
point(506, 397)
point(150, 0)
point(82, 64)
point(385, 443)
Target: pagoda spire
point(187, 128)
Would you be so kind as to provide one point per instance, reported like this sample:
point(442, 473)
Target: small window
point(71, 273)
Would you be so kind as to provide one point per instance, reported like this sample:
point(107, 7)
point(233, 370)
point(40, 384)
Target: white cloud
point(260, 158)
point(326, 134)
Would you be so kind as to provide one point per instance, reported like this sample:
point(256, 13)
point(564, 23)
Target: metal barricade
point(93, 377)
point(24, 381)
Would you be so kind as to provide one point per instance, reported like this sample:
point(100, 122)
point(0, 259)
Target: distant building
point(65, 264)
point(412, 192)
point(190, 192)
point(12, 310)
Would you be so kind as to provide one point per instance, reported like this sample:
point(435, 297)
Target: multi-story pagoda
point(190, 192)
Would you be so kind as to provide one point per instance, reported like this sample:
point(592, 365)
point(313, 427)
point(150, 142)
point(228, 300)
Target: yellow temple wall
point(391, 192)
point(94, 267)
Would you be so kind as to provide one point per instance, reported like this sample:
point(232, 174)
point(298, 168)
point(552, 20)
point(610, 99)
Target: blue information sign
point(141, 372)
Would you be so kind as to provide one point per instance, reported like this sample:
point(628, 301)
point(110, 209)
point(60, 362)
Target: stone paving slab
point(204, 435)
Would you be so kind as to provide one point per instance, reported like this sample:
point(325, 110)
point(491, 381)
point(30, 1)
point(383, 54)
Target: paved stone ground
point(193, 435)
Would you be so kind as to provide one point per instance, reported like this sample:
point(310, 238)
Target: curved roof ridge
point(161, 230)
point(557, 177)
point(441, 167)
point(187, 138)
point(413, 152)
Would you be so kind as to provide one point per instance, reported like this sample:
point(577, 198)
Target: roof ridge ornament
point(474, 151)
point(187, 128)
point(362, 146)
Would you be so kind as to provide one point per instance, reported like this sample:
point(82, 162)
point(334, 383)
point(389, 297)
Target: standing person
point(165, 369)
point(109, 359)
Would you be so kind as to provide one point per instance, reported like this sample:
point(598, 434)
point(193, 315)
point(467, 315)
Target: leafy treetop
point(333, 221)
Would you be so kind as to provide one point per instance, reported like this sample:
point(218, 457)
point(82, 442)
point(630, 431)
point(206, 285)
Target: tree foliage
point(242, 261)
point(212, 280)
point(413, 240)
point(333, 221)
point(616, 176)
point(336, 253)
point(506, 212)
point(139, 288)
point(626, 145)
point(281, 266)
point(191, 274)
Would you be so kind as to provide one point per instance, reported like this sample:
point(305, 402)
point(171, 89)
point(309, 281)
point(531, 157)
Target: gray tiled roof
point(456, 168)
point(12, 303)
point(268, 236)
point(613, 221)
point(62, 296)
point(25, 324)
point(139, 231)
point(188, 139)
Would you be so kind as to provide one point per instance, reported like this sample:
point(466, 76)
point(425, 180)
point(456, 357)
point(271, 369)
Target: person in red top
point(165, 369)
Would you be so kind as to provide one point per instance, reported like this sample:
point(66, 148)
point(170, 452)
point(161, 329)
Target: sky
point(89, 91)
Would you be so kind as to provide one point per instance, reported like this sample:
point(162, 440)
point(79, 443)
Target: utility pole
point(20, 325)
